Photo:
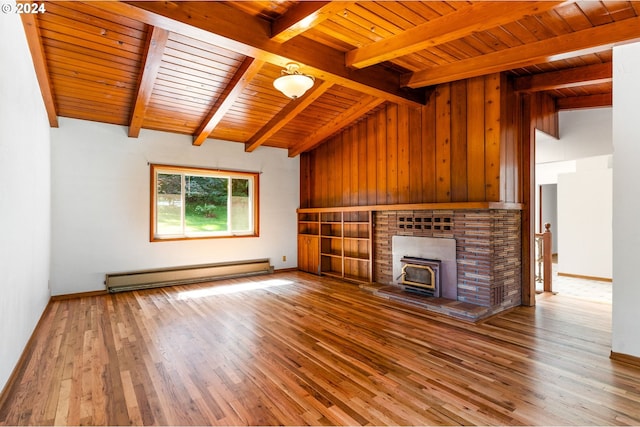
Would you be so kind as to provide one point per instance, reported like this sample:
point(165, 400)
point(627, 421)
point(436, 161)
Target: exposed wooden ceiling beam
point(572, 77)
point(588, 101)
point(302, 17)
point(477, 17)
point(32, 31)
point(285, 115)
point(229, 28)
point(241, 79)
point(346, 118)
point(155, 44)
point(591, 40)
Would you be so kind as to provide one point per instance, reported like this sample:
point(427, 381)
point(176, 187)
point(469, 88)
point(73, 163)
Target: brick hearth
point(487, 250)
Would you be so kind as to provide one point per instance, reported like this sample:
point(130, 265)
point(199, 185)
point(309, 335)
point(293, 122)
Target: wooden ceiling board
point(75, 108)
point(583, 90)
point(87, 100)
point(360, 15)
point(554, 22)
point(328, 106)
point(382, 17)
point(94, 55)
point(192, 76)
point(574, 16)
point(201, 51)
point(594, 58)
point(54, 49)
point(347, 33)
point(72, 85)
point(327, 40)
point(197, 66)
point(445, 7)
point(620, 10)
point(90, 71)
point(264, 9)
point(186, 93)
point(169, 77)
point(400, 15)
point(536, 28)
point(87, 12)
point(93, 35)
point(178, 84)
point(595, 12)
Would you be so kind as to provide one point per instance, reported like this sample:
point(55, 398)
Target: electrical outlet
point(284, 258)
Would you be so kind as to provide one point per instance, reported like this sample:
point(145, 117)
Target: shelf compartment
point(357, 270)
point(357, 216)
point(356, 248)
point(308, 223)
point(331, 246)
point(331, 229)
point(335, 217)
point(308, 217)
point(331, 265)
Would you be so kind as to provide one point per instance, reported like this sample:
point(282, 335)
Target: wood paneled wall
point(459, 147)
point(545, 114)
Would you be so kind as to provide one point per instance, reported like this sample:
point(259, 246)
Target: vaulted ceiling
point(207, 68)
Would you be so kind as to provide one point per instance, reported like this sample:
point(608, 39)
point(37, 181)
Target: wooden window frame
point(254, 193)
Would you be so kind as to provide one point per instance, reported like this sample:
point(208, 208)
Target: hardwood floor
point(294, 349)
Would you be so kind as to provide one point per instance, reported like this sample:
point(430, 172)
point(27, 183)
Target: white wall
point(549, 213)
point(585, 220)
point(626, 199)
point(24, 196)
point(100, 192)
point(583, 133)
point(581, 155)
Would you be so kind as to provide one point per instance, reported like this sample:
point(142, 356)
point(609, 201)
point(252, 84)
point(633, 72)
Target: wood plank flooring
point(295, 349)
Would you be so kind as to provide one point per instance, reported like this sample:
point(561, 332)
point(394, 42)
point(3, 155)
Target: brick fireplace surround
point(488, 255)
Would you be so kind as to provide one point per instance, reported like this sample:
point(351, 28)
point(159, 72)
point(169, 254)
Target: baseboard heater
point(145, 279)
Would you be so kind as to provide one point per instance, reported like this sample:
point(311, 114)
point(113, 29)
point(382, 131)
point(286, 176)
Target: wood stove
point(421, 275)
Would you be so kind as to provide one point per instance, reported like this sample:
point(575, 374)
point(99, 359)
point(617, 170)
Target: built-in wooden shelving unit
point(336, 243)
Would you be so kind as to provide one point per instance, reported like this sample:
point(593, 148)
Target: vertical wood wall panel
point(371, 160)
point(475, 139)
point(305, 181)
point(392, 154)
point(459, 168)
point(381, 162)
point(492, 136)
point(443, 143)
point(334, 164)
point(344, 152)
point(460, 146)
point(510, 155)
point(404, 195)
point(415, 154)
point(361, 153)
point(545, 114)
point(428, 172)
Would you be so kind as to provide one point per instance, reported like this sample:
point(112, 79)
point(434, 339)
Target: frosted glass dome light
point(292, 83)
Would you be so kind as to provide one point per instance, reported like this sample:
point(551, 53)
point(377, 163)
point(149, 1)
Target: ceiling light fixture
point(292, 82)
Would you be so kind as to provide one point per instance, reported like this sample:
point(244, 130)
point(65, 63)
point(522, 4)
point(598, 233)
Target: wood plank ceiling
point(207, 68)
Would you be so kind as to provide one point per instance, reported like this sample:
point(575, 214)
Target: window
point(189, 203)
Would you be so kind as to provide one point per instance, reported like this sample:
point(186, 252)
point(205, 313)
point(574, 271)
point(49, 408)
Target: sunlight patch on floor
point(233, 288)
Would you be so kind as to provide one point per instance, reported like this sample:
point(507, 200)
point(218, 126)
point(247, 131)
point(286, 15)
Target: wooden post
point(547, 257)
